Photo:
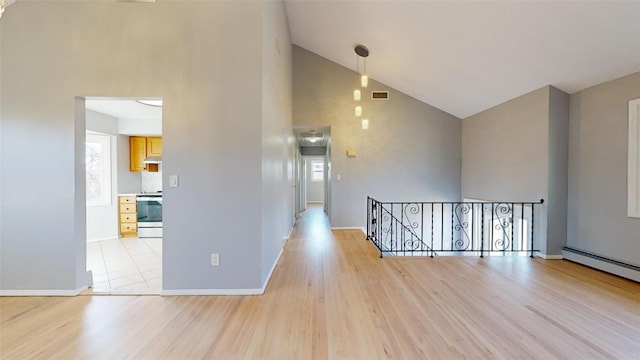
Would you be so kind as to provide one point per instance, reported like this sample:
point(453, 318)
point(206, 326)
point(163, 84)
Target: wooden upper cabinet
point(154, 146)
point(137, 153)
point(141, 147)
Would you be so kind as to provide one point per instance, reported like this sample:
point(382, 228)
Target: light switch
point(173, 180)
point(338, 177)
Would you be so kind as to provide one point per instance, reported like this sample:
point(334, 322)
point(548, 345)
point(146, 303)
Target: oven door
point(149, 216)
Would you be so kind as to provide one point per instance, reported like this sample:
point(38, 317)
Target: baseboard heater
point(599, 262)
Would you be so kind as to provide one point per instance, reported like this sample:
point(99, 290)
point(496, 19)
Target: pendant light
point(362, 52)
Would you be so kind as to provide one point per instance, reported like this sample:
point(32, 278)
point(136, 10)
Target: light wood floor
point(332, 297)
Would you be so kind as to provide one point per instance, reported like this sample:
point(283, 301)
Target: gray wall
point(597, 216)
point(505, 150)
point(315, 189)
point(128, 182)
point(411, 151)
point(517, 151)
point(206, 62)
point(277, 134)
point(557, 171)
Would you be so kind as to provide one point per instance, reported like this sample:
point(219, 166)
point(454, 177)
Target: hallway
point(331, 296)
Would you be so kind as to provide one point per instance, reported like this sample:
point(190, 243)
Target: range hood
point(153, 160)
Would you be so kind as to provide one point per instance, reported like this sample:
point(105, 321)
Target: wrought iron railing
point(452, 228)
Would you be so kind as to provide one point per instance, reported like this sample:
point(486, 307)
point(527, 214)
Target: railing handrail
point(407, 228)
point(541, 201)
point(468, 224)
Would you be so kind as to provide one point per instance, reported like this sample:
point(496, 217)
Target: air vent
point(379, 95)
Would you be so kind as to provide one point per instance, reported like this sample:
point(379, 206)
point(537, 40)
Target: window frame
point(315, 171)
point(105, 171)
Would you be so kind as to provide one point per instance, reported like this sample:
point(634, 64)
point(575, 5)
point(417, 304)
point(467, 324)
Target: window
point(317, 170)
point(634, 159)
point(98, 169)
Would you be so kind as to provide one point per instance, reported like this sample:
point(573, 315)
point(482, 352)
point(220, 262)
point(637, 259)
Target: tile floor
point(128, 265)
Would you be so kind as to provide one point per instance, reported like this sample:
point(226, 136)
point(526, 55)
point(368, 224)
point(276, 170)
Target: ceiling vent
point(379, 95)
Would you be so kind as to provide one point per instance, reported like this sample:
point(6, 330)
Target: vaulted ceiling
point(466, 56)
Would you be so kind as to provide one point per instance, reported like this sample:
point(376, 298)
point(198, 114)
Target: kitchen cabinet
point(128, 215)
point(141, 147)
point(154, 146)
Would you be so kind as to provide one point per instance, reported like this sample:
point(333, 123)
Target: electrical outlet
point(215, 259)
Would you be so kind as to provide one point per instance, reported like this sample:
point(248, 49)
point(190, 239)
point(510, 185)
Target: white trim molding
point(634, 159)
point(351, 228)
point(227, 291)
point(204, 292)
point(75, 292)
point(611, 266)
point(547, 256)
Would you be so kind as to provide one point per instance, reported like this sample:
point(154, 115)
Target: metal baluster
point(422, 244)
point(452, 211)
point(432, 229)
point(481, 229)
point(522, 246)
point(442, 226)
point(368, 217)
point(532, 217)
point(493, 210)
point(379, 231)
point(511, 217)
point(472, 225)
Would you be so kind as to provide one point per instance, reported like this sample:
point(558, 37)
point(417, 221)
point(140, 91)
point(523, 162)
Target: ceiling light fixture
point(362, 53)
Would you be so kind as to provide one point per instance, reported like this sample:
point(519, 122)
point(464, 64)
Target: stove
point(149, 214)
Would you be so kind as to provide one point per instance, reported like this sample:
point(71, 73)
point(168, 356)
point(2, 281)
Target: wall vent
point(379, 95)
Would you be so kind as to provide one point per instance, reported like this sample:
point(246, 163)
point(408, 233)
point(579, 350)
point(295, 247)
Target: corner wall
point(277, 135)
point(517, 151)
point(505, 150)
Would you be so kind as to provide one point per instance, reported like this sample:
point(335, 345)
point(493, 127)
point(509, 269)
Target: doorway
point(314, 179)
point(125, 166)
point(313, 167)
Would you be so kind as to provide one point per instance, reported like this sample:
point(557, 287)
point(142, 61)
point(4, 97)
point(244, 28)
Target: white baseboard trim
point(315, 202)
point(602, 265)
point(286, 238)
point(547, 256)
point(202, 292)
point(75, 292)
point(273, 268)
point(228, 292)
point(350, 228)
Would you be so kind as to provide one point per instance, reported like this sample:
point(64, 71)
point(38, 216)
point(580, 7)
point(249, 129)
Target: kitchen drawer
point(128, 218)
point(128, 208)
point(128, 228)
point(127, 199)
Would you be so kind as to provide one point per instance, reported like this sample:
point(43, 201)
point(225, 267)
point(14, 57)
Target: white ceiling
point(466, 56)
point(124, 109)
